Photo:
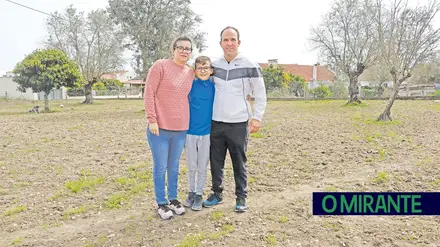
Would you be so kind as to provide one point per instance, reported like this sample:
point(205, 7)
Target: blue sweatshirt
point(201, 99)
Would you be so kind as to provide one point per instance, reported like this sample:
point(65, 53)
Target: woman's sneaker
point(189, 200)
point(177, 207)
point(197, 205)
point(164, 212)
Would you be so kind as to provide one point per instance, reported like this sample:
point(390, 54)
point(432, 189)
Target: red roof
point(113, 75)
point(306, 71)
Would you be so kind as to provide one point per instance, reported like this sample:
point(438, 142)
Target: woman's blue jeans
point(166, 150)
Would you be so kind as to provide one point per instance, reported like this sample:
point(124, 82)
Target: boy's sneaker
point(197, 205)
point(189, 200)
point(214, 199)
point(240, 206)
point(177, 207)
point(164, 212)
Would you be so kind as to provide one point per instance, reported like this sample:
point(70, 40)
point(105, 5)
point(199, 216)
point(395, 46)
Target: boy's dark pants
point(233, 137)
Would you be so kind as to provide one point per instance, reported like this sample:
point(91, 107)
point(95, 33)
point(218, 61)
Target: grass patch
point(330, 225)
point(17, 241)
point(382, 152)
point(284, 219)
point(195, 240)
point(271, 239)
point(381, 177)
point(15, 210)
point(73, 128)
point(217, 215)
point(83, 183)
point(435, 182)
point(74, 211)
point(355, 105)
point(372, 138)
point(116, 201)
point(57, 195)
point(257, 135)
point(373, 121)
point(125, 181)
point(330, 189)
point(136, 182)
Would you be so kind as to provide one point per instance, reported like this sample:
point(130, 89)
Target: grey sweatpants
point(197, 156)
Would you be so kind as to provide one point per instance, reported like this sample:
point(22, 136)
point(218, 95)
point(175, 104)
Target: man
point(235, 77)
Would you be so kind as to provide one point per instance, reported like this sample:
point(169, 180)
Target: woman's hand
point(154, 129)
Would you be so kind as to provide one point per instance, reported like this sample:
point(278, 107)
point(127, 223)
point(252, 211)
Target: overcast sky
point(269, 29)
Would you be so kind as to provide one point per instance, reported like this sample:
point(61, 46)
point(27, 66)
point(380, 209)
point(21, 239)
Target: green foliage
point(321, 92)
point(44, 70)
point(98, 86)
point(112, 83)
point(369, 92)
point(165, 20)
point(276, 78)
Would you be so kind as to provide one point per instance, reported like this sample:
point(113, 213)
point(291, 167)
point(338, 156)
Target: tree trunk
point(353, 89)
point(46, 102)
point(386, 114)
point(88, 93)
point(380, 90)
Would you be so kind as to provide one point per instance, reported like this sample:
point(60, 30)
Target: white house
point(8, 89)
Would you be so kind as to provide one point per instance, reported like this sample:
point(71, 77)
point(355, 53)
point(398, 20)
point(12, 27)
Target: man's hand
point(154, 129)
point(254, 125)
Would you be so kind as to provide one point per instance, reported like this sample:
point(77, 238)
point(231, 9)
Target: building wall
point(8, 88)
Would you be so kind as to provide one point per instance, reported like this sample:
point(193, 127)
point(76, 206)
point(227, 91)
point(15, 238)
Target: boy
point(201, 99)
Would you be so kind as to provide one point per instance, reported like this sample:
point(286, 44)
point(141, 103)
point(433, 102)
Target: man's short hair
point(202, 60)
point(229, 27)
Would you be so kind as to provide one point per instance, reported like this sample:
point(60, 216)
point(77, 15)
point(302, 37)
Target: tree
point(347, 39)
point(273, 77)
point(151, 26)
point(44, 70)
point(93, 41)
point(407, 40)
point(378, 74)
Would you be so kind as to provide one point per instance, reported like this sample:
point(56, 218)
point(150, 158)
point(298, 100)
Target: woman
point(168, 84)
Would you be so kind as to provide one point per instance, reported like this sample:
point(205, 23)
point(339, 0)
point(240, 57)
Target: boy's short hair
point(202, 60)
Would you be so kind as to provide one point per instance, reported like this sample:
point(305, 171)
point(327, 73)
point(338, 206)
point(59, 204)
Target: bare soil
point(99, 151)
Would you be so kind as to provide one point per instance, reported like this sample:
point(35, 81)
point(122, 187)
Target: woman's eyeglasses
point(181, 49)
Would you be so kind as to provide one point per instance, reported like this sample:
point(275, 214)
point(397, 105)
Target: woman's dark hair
point(181, 39)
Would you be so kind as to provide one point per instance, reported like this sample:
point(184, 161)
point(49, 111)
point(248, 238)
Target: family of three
point(205, 111)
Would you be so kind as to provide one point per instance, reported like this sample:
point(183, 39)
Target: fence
point(117, 93)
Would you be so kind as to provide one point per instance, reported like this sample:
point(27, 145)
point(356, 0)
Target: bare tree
point(407, 39)
point(347, 38)
point(151, 26)
point(92, 41)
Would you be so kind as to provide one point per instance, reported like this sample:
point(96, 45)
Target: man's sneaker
point(214, 199)
point(197, 205)
point(164, 212)
point(240, 205)
point(177, 207)
point(189, 200)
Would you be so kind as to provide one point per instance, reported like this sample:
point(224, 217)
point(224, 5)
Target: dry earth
point(81, 176)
